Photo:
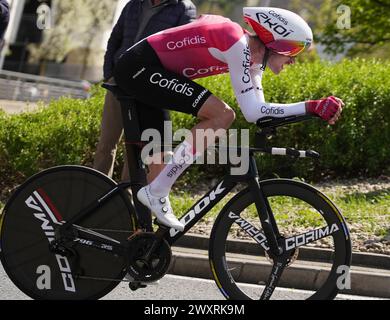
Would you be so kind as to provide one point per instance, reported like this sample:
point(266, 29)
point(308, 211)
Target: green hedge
point(357, 144)
point(66, 131)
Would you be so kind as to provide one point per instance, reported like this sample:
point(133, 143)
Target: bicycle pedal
point(157, 223)
point(136, 285)
point(130, 279)
point(151, 283)
point(160, 225)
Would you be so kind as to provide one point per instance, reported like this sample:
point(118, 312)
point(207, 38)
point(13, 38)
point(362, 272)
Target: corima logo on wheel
point(251, 230)
point(48, 216)
point(310, 236)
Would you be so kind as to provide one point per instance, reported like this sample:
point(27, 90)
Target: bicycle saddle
point(116, 90)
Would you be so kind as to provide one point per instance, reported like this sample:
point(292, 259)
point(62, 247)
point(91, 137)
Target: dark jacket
point(173, 13)
point(4, 17)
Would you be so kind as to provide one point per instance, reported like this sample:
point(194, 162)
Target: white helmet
point(280, 30)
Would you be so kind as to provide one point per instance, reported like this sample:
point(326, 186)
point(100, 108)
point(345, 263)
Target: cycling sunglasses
point(289, 48)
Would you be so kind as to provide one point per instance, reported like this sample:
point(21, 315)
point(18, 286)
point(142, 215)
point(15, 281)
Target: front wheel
point(306, 219)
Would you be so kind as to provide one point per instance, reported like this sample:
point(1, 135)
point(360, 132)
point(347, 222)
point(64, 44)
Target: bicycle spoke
point(251, 230)
point(273, 280)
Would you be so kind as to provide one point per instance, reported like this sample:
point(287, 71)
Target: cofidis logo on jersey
point(203, 72)
point(187, 41)
point(246, 63)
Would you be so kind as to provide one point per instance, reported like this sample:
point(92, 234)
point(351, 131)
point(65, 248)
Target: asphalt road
point(171, 287)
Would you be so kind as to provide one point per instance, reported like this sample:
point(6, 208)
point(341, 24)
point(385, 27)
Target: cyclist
point(160, 69)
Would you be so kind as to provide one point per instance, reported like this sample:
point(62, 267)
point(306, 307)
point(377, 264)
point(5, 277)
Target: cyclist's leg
point(148, 81)
point(110, 133)
point(155, 122)
point(214, 115)
point(147, 122)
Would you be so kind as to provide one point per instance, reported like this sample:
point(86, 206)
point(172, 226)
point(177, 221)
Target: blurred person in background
point(4, 19)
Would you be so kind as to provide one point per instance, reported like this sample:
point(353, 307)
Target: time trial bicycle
point(71, 232)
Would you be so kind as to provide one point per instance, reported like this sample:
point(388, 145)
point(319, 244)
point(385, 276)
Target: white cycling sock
point(183, 156)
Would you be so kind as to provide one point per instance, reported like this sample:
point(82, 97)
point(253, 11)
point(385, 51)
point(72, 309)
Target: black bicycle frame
point(218, 192)
point(195, 213)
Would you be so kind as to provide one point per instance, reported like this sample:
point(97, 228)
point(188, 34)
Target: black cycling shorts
point(140, 74)
point(146, 121)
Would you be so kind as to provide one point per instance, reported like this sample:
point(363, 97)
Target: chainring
point(148, 265)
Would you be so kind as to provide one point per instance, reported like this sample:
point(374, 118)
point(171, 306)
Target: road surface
point(170, 287)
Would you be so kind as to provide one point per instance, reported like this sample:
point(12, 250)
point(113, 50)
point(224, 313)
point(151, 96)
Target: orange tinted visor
point(289, 48)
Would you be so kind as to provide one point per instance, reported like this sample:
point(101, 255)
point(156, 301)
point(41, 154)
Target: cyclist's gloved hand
point(328, 109)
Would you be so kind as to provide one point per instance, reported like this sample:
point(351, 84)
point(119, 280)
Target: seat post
point(137, 170)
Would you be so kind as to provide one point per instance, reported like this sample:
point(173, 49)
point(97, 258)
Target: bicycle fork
point(280, 257)
point(267, 219)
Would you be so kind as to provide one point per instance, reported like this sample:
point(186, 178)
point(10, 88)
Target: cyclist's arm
point(246, 82)
point(256, 76)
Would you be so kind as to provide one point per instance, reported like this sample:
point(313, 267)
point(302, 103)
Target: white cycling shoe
point(160, 207)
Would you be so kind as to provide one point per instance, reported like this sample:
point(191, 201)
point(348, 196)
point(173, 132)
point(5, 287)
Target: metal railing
point(26, 87)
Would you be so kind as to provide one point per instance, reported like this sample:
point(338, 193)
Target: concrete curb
point(370, 273)
point(359, 259)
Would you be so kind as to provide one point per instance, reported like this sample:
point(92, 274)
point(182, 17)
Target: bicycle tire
point(28, 223)
point(230, 276)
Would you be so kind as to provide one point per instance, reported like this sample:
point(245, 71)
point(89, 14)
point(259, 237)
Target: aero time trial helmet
point(280, 30)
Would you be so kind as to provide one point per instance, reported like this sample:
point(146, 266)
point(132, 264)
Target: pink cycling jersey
point(213, 45)
point(192, 42)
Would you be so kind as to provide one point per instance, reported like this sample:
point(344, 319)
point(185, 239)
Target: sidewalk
point(370, 273)
point(14, 107)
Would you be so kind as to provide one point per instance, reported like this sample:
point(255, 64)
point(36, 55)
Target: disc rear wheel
point(31, 218)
